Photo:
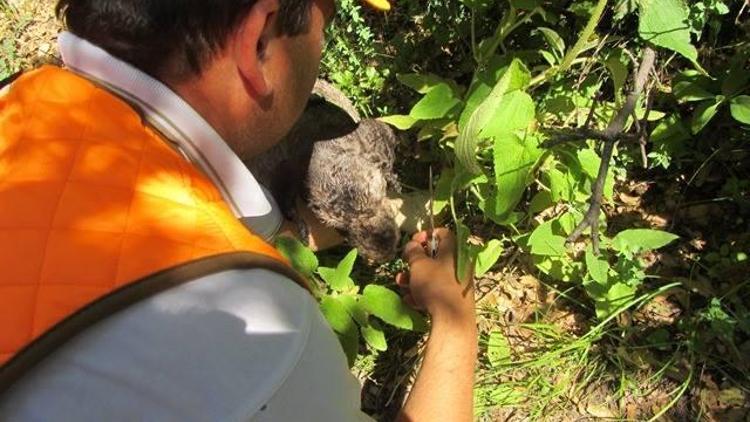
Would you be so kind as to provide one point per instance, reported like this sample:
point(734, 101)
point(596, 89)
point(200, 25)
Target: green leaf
point(488, 257)
point(704, 113)
point(515, 77)
point(388, 306)
point(301, 257)
point(642, 240)
point(354, 308)
point(740, 108)
point(617, 63)
point(617, 296)
point(687, 91)
point(737, 76)
point(544, 242)
point(515, 112)
point(664, 23)
point(478, 5)
point(498, 349)
point(436, 104)
point(590, 163)
point(568, 222)
point(374, 337)
point(598, 268)
point(466, 253)
point(560, 185)
point(343, 325)
point(526, 4)
point(540, 202)
point(339, 278)
point(422, 83)
point(554, 40)
point(443, 190)
point(514, 160)
point(481, 86)
point(399, 121)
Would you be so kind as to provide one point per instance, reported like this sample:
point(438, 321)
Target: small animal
point(342, 167)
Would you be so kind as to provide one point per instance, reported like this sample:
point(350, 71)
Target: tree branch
point(611, 135)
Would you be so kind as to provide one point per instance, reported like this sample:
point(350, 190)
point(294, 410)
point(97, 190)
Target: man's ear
point(252, 40)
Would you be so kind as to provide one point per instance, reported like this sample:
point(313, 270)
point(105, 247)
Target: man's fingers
point(409, 299)
point(420, 237)
point(413, 252)
point(402, 279)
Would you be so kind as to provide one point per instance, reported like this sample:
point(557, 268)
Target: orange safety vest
point(97, 211)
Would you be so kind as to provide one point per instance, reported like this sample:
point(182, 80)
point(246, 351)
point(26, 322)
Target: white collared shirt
point(183, 126)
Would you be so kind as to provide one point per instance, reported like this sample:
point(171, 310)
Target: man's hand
point(444, 387)
point(431, 284)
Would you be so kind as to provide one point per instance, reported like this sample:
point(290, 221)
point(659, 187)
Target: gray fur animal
point(342, 167)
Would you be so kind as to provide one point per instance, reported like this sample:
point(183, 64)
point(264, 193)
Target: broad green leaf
point(344, 326)
point(478, 5)
point(301, 257)
point(554, 40)
point(665, 23)
point(560, 268)
point(481, 86)
point(568, 222)
point(339, 278)
point(526, 4)
point(443, 190)
point(590, 163)
point(687, 91)
point(515, 112)
point(704, 113)
point(422, 83)
point(540, 202)
point(740, 107)
point(374, 337)
point(548, 57)
point(617, 63)
point(498, 349)
point(514, 160)
point(617, 296)
point(738, 76)
point(598, 267)
point(436, 104)
point(354, 308)
point(560, 185)
point(465, 255)
point(399, 121)
point(515, 77)
point(488, 257)
point(670, 130)
point(642, 240)
point(388, 306)
point(543, 241)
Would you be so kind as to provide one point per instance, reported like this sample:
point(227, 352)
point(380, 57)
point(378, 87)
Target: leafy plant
point(347, 307)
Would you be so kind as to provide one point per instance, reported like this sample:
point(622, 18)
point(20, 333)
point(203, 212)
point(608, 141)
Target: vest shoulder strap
point(118, 300)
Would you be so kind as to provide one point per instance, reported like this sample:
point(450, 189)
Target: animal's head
point(375, 236)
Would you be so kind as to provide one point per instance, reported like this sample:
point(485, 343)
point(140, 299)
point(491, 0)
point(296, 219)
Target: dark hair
point(169, 38)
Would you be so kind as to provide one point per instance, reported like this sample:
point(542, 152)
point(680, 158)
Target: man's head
point(248, 66)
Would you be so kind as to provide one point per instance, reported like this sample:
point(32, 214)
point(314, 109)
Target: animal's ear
point(326, 120)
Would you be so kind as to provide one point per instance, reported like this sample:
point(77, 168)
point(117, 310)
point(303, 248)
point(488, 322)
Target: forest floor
point(536, 359)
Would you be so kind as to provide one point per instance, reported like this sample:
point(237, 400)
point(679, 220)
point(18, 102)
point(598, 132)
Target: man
point(136, 284)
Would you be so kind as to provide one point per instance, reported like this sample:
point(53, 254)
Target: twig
point(610, 136)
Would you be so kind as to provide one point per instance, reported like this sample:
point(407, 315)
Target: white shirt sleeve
point(233, 346)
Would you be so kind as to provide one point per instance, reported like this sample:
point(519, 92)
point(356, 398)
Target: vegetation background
point(514, 103)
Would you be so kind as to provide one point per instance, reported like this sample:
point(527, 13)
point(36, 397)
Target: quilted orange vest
point(93, 202)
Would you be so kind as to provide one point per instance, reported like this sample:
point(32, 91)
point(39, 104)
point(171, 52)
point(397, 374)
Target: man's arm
point(444, 387)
